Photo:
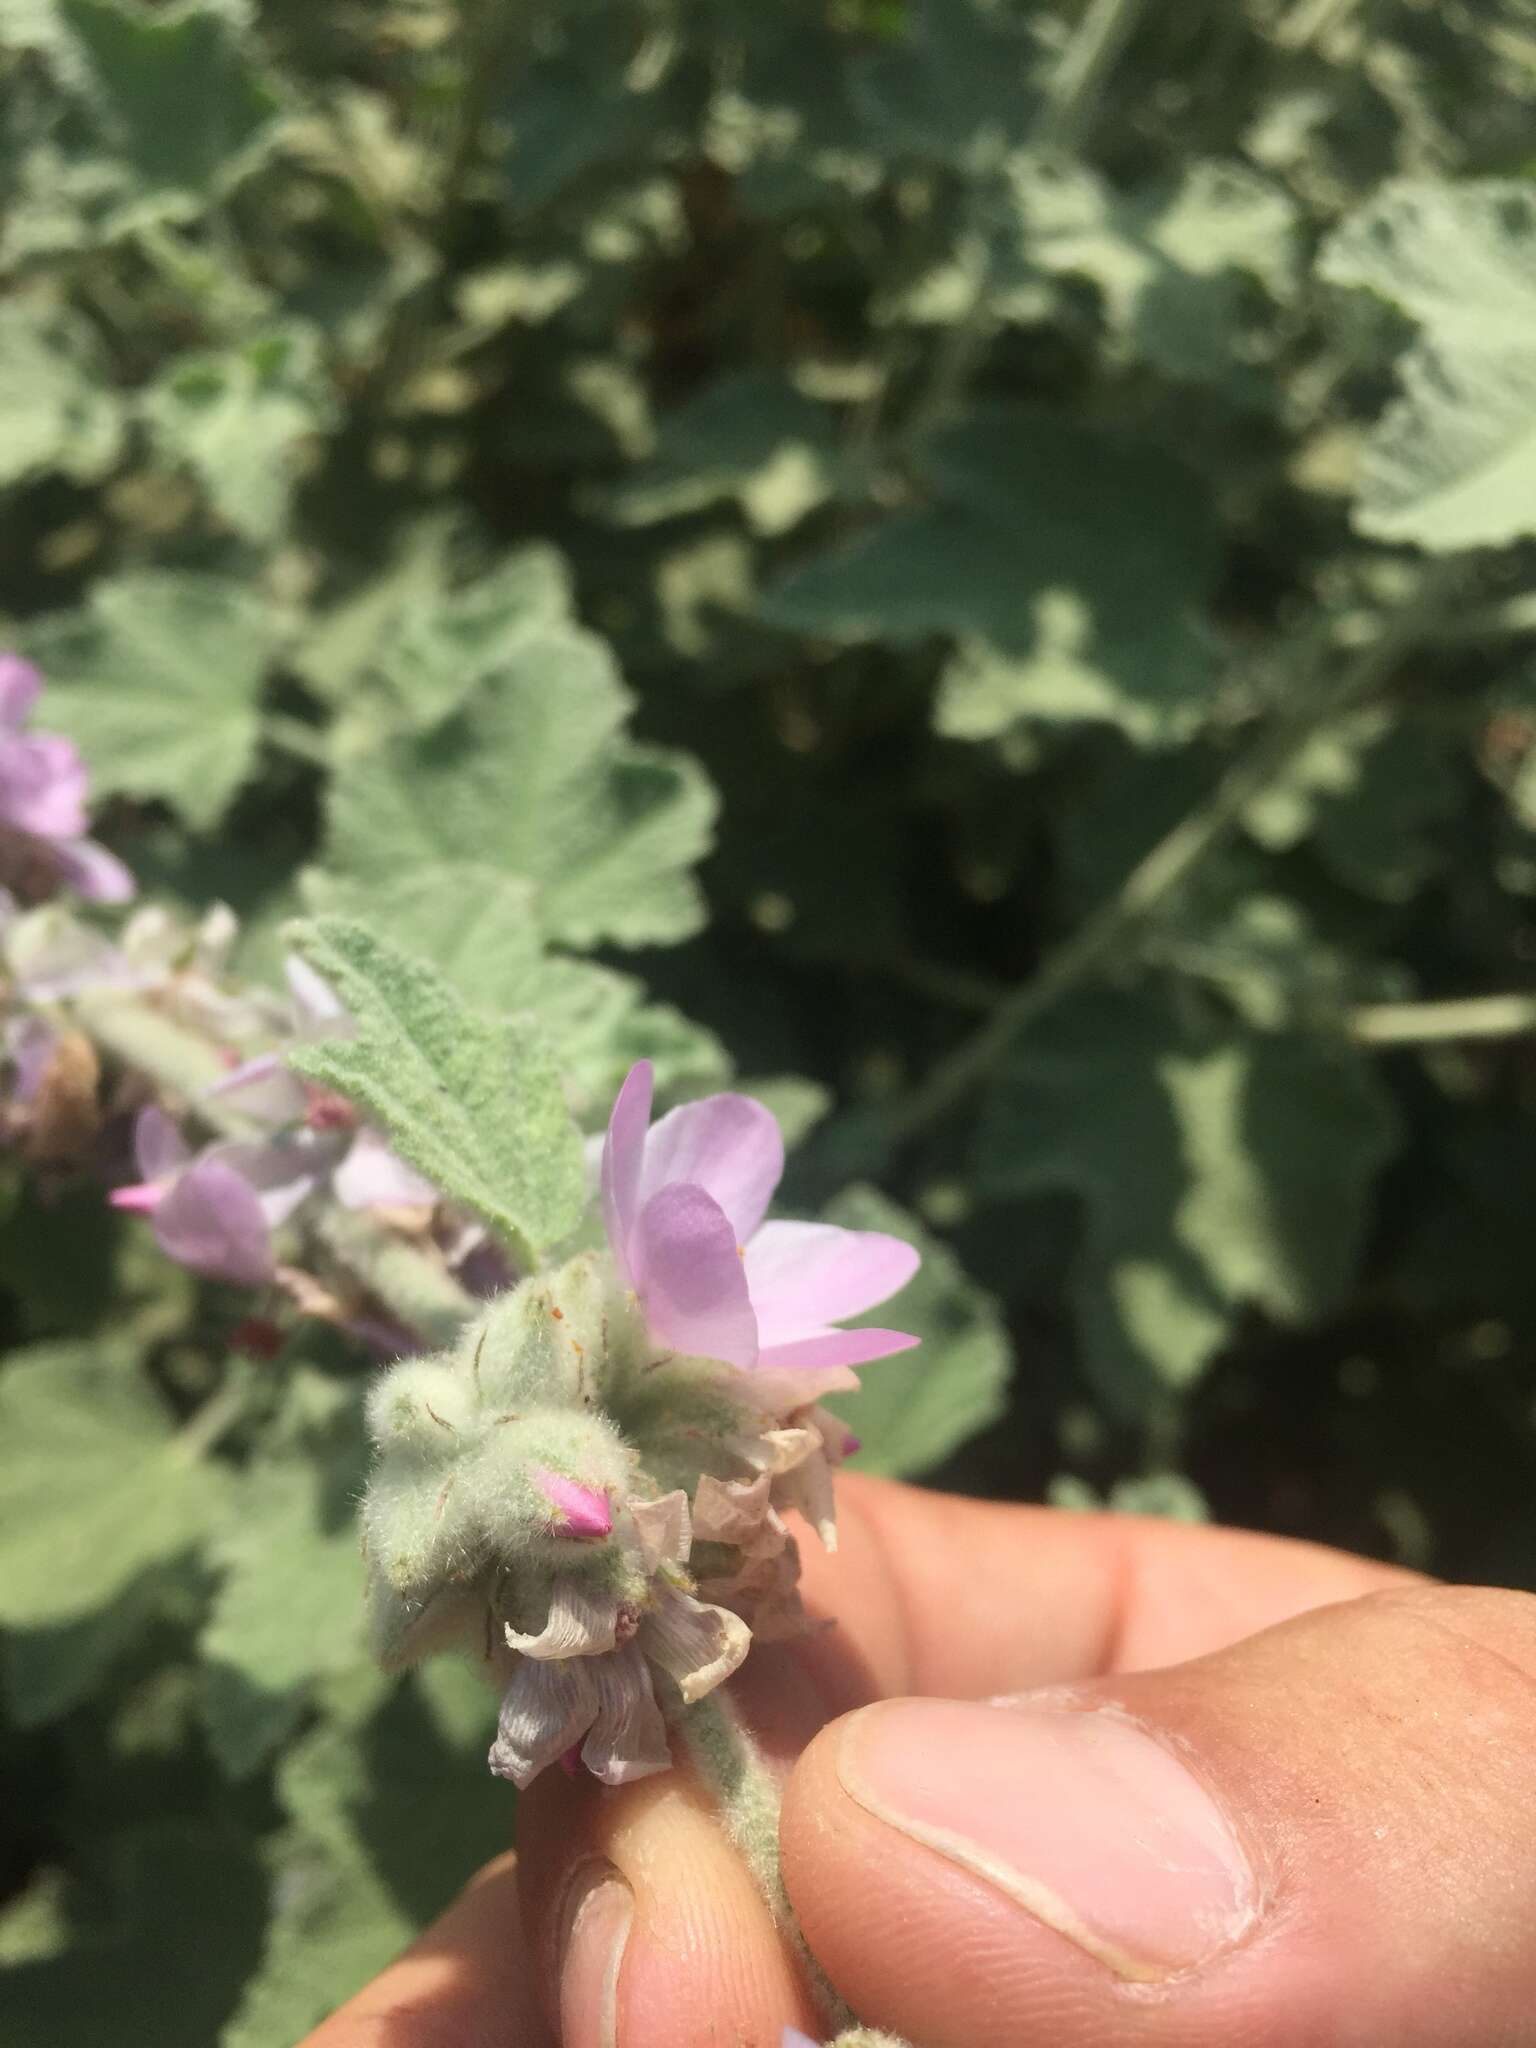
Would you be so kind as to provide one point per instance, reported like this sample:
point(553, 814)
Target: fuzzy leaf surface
point(238, 418)
point(57, 408)
point(158, 680)
point(1452, 461)
point(474, 1102)
point(533, 776)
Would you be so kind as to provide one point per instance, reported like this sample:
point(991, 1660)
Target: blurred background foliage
point(978, 556)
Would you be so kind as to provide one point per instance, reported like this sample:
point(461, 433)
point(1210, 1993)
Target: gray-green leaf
point(57, 408)
point(533, 777)
point(474, 1103)
point(1215, 1170)
point(238, 418)
point(158, 680)
point(181, 106)
point(1452, 462)
point(385, 1823)
point(94, 1487)
point(288, 1612)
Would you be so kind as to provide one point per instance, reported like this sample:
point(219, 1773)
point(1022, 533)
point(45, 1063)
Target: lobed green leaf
point(474, 1102)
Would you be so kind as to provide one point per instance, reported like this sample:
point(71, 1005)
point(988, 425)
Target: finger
point(928, 1591)
point(933, 1593)
point(647, 1923)
point(467, 1982)
point(1320, 1834)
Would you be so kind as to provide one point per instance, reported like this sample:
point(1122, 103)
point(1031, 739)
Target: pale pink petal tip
point(138, 1198)
point(584, 1511)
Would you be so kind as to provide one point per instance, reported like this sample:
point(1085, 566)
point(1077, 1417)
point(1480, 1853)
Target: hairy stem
point(724, 1753)
point(726, 1756)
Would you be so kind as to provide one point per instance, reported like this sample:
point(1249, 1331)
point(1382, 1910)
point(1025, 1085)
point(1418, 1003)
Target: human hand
point(1249, 1794)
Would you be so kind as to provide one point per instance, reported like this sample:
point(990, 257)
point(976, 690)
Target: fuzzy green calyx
point(597, 1523)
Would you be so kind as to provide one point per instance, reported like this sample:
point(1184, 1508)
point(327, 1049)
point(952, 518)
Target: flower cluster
point(245, 1173)
point(588, 1491)
point(217, 1210)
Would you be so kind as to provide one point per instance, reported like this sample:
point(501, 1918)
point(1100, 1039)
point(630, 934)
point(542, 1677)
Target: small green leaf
point(238, 418)
point(1371, 791)
point(435, 654)
point(915, 1408)
point(474, 1103)
point(181, 106)
point(954, 80)
point(158, 680)
point(336, 650)
point(533, 777)
point(1452, 463)
point(58, 410)
point(407, 649)
point(48, 1670)
point(94, 1488)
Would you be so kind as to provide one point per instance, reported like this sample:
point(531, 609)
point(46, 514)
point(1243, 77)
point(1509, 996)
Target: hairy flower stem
point(724, 1753)
point(1158, 877)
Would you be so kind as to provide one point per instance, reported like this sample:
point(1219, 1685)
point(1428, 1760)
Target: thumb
point(1323, 1833)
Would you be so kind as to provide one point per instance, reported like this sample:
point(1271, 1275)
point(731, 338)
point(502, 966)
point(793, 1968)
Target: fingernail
point(1080, 1814)
point(597, 1923)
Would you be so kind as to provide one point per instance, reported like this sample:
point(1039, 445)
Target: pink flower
point(216, 1210)
point(683, 1204)
point(42, 795)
